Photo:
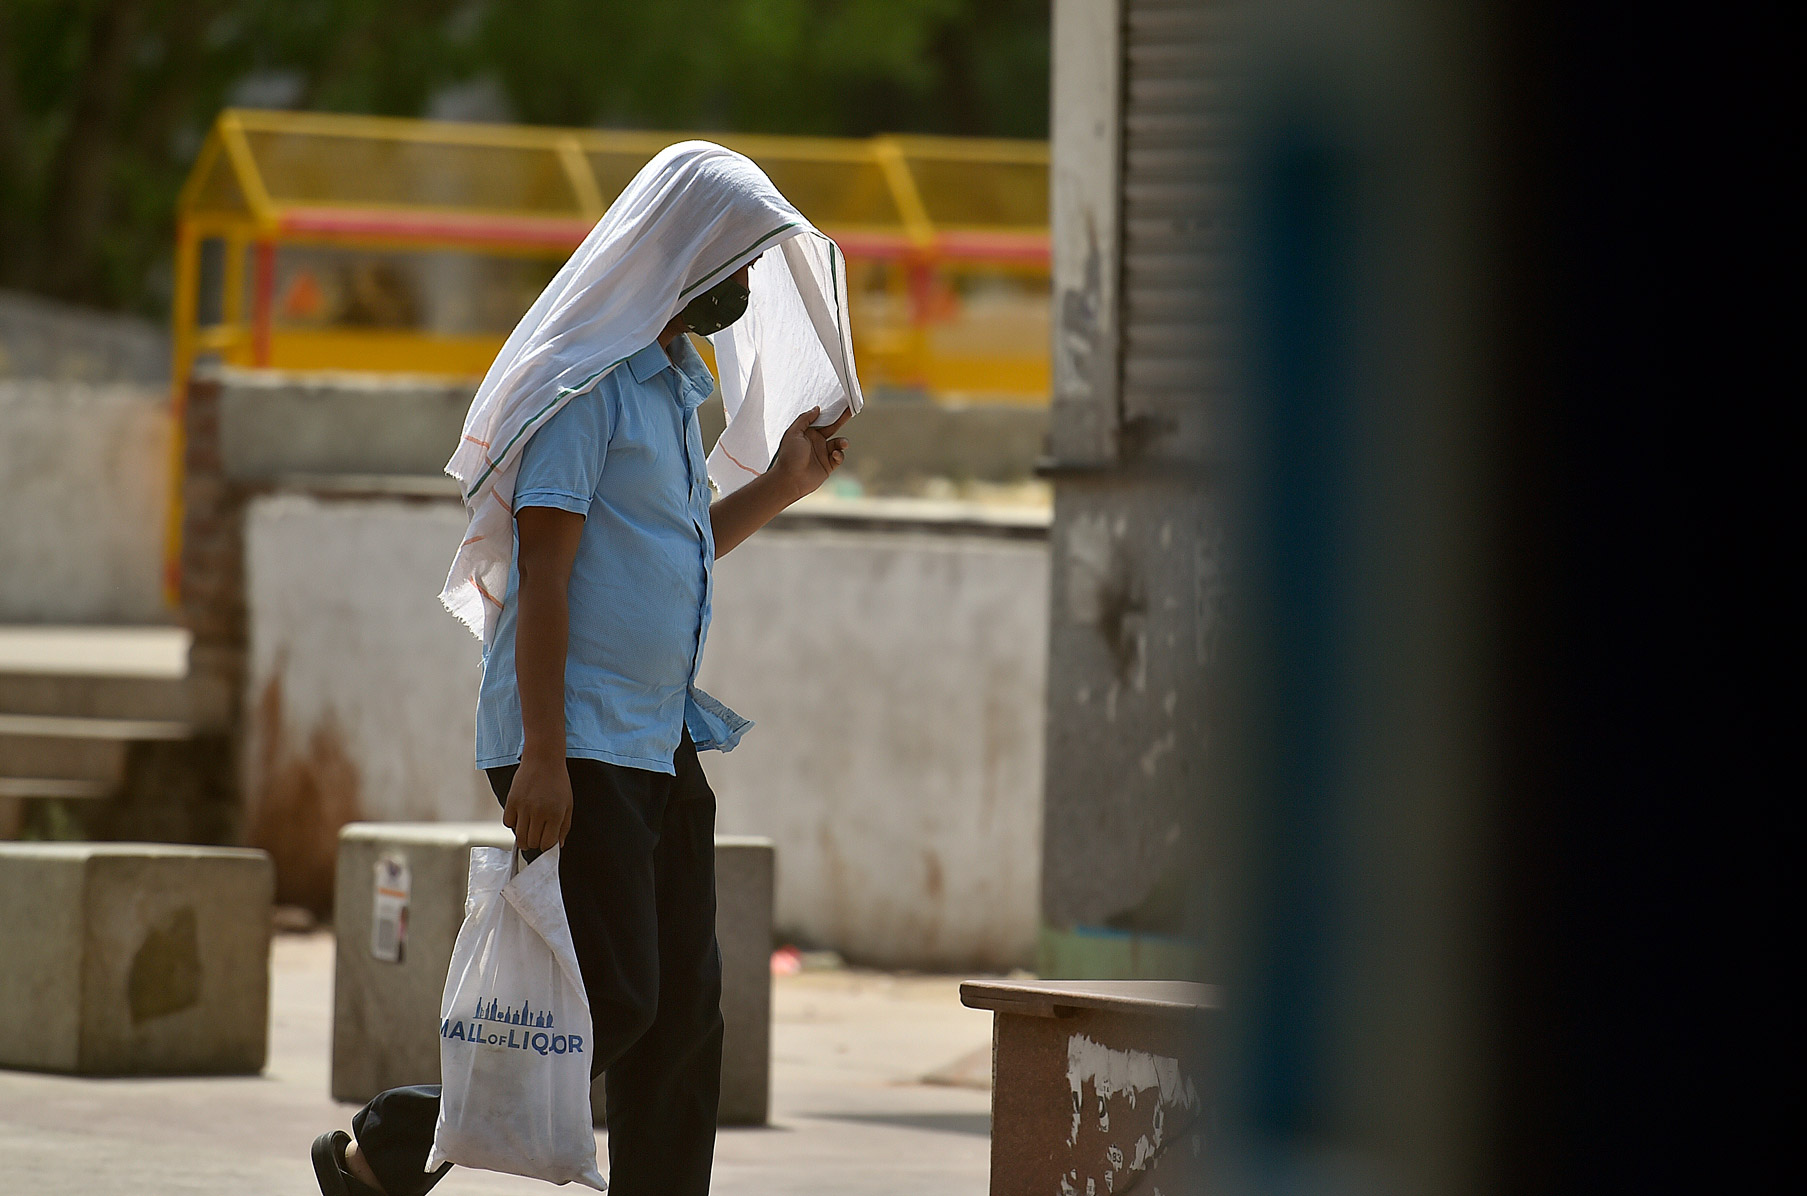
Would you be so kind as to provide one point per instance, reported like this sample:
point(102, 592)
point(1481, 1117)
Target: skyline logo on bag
point(507, 1028)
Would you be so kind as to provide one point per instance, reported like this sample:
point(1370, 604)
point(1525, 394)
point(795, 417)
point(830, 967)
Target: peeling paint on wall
point(1117, 1130)
point(1088, 562)
point(1209, 592)
point(1139, 602)
point(1081, 309)
point(1104, 589)
point(1151, 759)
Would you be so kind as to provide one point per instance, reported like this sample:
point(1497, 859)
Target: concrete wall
point(361, 689)
point(896, 676)
point(41, 338)
point(896, 681)
point(84, 471)
point(296, 428)
point(275, 425)
point(84, 465)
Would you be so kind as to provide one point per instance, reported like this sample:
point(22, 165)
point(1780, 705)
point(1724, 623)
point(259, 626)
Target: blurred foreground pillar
point(1278, 303)
point(1347, 809)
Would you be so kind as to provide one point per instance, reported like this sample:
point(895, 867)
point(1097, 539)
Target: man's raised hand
point(806, 455)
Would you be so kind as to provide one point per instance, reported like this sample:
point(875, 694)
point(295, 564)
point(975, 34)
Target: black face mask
point(715, 308)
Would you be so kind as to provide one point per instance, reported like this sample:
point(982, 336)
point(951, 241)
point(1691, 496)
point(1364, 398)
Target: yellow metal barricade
point(311, 241)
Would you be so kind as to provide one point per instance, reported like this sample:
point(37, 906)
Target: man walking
point(589, 721)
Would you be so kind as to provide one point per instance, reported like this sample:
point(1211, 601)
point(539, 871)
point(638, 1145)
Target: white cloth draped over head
point(693, 215)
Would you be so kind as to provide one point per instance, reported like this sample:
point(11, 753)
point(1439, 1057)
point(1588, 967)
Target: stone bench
point(1096, 1084)
point(386, 1002)
point(134, 958)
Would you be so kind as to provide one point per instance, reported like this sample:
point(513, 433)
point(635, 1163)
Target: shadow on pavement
point(940, 1123)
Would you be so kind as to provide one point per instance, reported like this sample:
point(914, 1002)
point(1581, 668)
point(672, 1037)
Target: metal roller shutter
point(1174, 126)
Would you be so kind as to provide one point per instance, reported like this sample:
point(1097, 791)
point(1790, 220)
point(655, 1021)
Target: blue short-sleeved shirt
point(628, 456)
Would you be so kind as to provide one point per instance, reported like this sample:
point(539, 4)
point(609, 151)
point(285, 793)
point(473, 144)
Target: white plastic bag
point(515, 1045)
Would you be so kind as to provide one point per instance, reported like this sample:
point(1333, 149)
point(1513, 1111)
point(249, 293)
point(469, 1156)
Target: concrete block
point(386, 1010)
point(745, 872)
point(134, 958)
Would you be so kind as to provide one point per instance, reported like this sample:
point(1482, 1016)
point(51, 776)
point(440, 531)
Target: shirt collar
point(695, 382)
point(648, 362)
point(697, 378)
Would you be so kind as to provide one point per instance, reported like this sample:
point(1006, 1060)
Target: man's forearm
point(735, 517)
point(542, 633)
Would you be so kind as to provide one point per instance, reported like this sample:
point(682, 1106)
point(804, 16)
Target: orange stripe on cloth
point(485, 592)
point(737, 460)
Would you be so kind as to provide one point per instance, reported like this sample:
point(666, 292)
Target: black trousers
point(638, 875)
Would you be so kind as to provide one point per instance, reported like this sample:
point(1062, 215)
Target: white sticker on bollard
point(389, 920)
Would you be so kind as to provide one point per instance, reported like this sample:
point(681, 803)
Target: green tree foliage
point(104, 103)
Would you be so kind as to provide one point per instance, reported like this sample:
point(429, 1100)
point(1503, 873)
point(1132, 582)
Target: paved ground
point(851, 1113)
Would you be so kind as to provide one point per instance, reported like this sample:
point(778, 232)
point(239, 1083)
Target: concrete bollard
point(399, 900)
point(386, 990)
point(745, 876)
point(134, 958)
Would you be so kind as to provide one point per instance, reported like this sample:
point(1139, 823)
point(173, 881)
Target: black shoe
point(334, 1177)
